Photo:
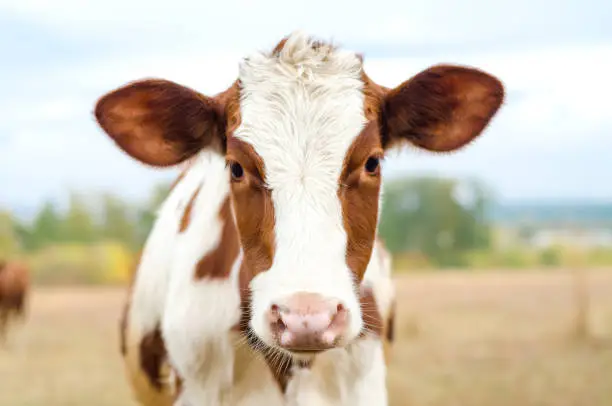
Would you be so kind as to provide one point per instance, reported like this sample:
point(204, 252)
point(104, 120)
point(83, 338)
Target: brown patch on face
point(253, 207)
point(359, 193)
point(152, 356)
point(254, 212)
point(187, 213)
point(217, 264)
point(372, 319)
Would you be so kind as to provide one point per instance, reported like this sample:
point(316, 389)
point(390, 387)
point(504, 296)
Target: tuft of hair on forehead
point(300, 45)
point(302, 56)
point(301, 107)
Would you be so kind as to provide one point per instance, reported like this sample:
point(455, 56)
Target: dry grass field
point(494, 339)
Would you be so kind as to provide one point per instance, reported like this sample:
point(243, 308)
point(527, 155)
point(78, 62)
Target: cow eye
point(236, 171)
point(372, 165)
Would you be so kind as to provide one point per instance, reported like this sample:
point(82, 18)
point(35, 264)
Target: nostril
point(274, 315)
point(339, 319)
point(281, 326)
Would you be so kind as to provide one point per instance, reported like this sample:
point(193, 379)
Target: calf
point(14, 284)
point(257, 283)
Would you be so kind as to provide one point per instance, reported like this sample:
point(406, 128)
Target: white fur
point(342, 377)
point(301, 111)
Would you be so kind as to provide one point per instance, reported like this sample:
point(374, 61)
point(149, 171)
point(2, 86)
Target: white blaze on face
point(301, 111)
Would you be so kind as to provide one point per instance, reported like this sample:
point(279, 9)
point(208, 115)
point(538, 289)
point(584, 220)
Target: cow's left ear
point(159, 122)
point(441, 108)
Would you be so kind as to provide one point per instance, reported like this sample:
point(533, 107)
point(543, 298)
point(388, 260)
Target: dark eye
point(236, 170)
point(372, 164)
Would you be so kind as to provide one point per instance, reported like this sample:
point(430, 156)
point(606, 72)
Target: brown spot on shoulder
point(217, 264)
point(185, 220)
point(152, 357)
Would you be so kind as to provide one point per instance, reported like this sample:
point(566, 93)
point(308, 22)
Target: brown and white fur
point(257, 283)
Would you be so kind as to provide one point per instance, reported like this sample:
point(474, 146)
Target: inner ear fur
point(441, 108)
point(159, 122)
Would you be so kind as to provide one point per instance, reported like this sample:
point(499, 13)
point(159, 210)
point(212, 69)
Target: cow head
point(303, 131)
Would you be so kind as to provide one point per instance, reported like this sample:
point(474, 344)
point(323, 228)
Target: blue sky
point(551, 140)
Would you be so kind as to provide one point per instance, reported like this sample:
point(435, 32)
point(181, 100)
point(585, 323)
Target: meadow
point(463, 339)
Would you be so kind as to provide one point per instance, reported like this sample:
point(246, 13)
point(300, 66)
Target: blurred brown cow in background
point(14, 285)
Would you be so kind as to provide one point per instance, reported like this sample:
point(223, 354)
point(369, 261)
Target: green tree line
point(440, 219)
point(84, 221)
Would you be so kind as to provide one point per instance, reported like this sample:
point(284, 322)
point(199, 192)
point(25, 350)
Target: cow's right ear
point(159, 122)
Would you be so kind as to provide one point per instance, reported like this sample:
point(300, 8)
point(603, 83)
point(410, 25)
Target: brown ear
point(442, 108)
point(160, 122)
